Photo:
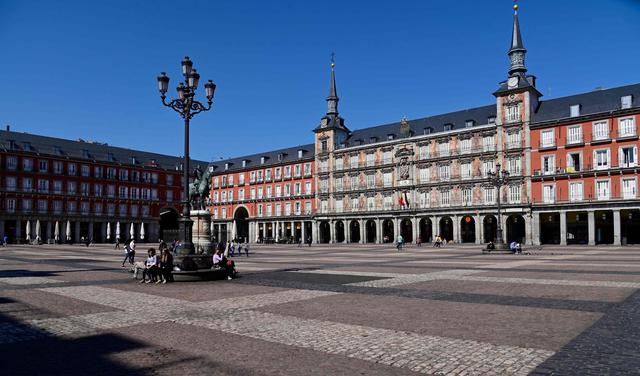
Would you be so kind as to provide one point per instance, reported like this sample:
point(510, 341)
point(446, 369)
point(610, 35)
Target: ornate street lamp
point(187, 107)
point(497, 179)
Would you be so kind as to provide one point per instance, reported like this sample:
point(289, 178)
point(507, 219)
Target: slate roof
point(87, 150)
point(289, 155)
point(458, 119)
point(590, 103)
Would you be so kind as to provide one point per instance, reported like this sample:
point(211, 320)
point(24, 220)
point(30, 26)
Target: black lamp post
point(498, 179)
point(187, 107)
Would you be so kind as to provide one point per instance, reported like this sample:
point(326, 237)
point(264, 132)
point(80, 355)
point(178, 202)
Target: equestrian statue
point(199, 189)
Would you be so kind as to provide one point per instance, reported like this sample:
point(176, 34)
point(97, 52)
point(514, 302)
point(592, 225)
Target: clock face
point(513, 82)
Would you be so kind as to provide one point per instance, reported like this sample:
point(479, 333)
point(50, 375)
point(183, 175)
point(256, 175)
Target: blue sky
point(87, 69)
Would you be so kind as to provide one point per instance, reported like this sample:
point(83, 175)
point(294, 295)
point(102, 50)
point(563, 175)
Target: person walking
point(400, 243)
point(126, 254)
point(5, 241)
point(246, 249)
point(309, 240)
point(166, 265)
point(419, 242)
point(132, 251)
point(117, 243)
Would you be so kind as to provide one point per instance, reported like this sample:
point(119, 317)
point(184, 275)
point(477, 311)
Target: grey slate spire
point(332, 99)
point(517, 51)
point(332, 119)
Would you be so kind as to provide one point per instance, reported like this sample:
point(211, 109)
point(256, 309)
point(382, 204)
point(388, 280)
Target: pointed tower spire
point(332, 119)
point(517, 51)
point(332, 99)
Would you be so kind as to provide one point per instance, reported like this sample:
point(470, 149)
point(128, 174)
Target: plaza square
point(319, 188)
point(320, 310)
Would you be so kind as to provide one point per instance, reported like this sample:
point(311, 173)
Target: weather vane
point(333, 59)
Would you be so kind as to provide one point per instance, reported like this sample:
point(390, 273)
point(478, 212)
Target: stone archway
point(446, 229)
point(406, 230)
point(339, 228)
point(604, 227)
point(387, 231)
point(549, 228)
point(515, 229)
point(425, 230)
point(467, 229)
point(240, 218)
point(630, 226)
point(354, 231)
point(370, 229)
point(490, 228)
point(325, 232)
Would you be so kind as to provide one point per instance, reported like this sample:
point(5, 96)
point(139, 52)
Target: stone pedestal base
point(201, 231)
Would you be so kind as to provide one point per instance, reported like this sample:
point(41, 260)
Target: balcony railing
point(590, 198)
point(575, 140)
point(583, 168)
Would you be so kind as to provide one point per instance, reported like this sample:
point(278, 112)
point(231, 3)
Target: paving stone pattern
point(293, 277)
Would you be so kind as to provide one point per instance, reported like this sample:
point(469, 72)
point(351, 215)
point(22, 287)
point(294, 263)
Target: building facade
point(585, 170)
point(571, 163)
point(264, 197)
point(85, 190)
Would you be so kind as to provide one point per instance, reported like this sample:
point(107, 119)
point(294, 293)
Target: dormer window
point(300, 152)
point(26, 146)
point(110, 157)
point(133, 160)
point(56, 150)
point(469, 123)
point(390, 136)
point(575, 110)
point(360, 141)
point(280, 157)
point(244, 163)
point(448, 127)
point(626, 101)
point(262, 159)
point(226, 166)
point(373, 140)
point(491, 120)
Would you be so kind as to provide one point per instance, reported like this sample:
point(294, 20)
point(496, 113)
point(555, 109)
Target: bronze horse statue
point(200, 188)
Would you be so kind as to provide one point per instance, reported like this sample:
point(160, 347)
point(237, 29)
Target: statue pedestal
point(201, 231)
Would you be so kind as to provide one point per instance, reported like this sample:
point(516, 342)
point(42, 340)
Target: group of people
point(221, 261)
point(234, 246)
point(437, 243)
point(158, 270)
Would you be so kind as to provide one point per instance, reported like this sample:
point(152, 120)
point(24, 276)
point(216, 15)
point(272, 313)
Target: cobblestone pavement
point(340, 310)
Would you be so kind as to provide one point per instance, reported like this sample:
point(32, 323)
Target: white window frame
point(629, 191)
point(596, 164)
point(603, 189)
point(627, 127)
point(549, 193)
point(576, 191)
point(548, 138)
point(600, 130)
point(574, 134)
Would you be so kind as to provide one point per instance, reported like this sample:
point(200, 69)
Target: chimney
point(8, 128)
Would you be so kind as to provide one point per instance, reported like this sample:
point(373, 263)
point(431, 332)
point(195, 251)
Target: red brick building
point(585, 169)
point(267, 196)
point(91, 187)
